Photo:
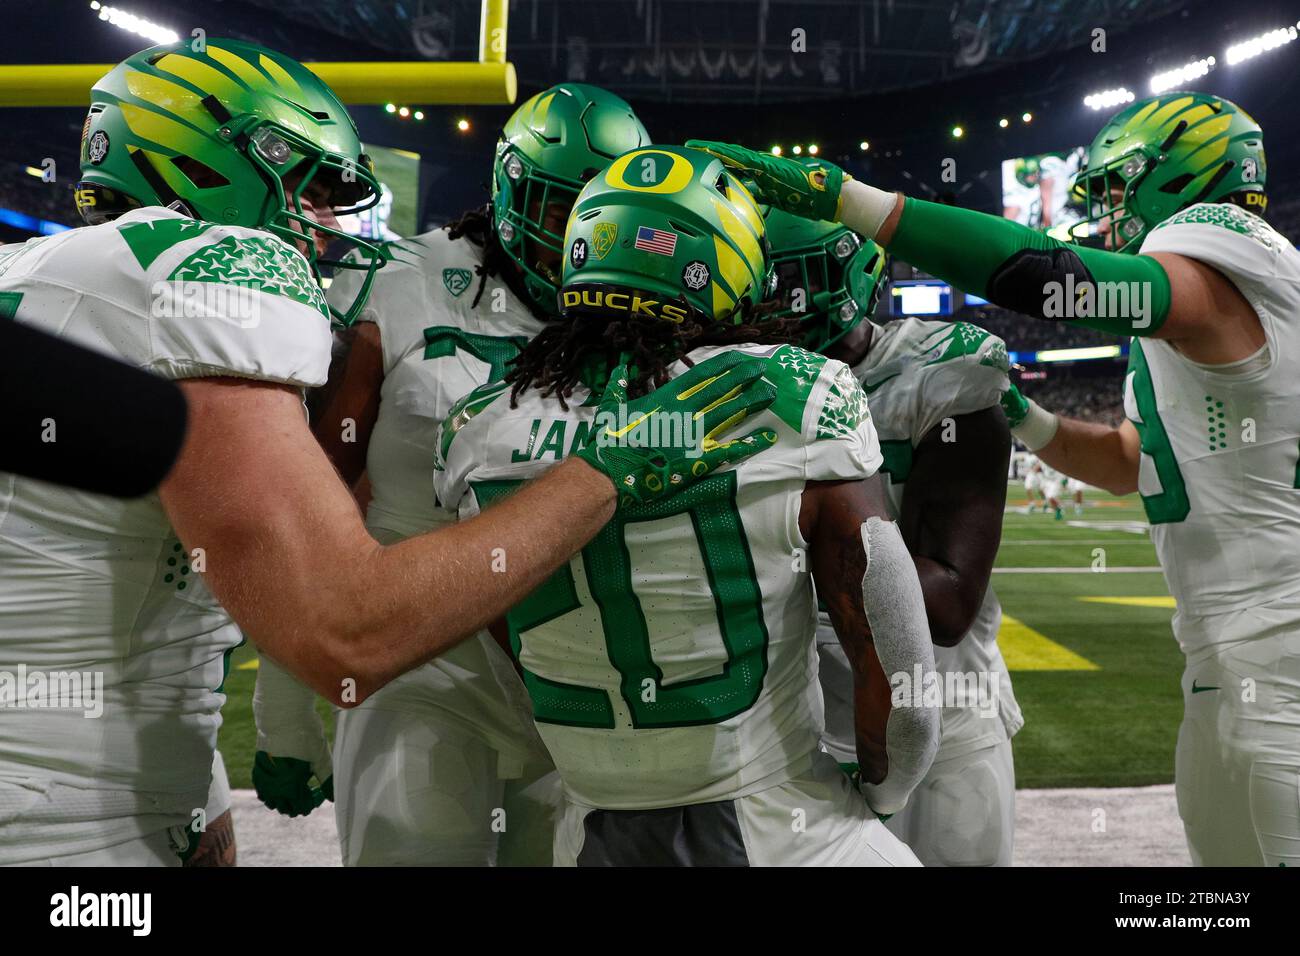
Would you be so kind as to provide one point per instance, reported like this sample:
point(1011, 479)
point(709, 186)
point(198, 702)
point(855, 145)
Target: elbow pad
point(284, 710)
point(1032, 273)
point(895, 606)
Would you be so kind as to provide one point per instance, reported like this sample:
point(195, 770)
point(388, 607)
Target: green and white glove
point(283, 784)
point(649, 459)
point(810, 189)
point(1033, 425)
point(291, 744)
point(1015, 405)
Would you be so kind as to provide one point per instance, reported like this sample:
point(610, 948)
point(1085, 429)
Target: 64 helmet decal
point(699, 244)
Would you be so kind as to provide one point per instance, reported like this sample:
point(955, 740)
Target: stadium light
point(462, 125)
point(133, 24)
point(404, 112)
point(776, 150)
point(1026, 117)
point(798, 150)
point(957, 132)
point(1260, 44)
point(812, 150)
point(1004, 122)
point(419, 114)
point(1107, 99)
point(390, 108)
point(1182, 75)
point(1075, 355)
point(864, 145)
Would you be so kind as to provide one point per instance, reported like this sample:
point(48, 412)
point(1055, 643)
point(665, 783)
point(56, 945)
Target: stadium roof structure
point(738, 50)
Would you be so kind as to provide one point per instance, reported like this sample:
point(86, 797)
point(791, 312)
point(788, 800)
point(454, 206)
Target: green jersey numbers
point(9, 304)
point(496, 350)
point(1171, 504)
point(609, 573)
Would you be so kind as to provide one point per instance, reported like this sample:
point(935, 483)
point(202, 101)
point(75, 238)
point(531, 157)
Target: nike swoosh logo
point(1201, 690)
point(619, 433)
point(871, 388)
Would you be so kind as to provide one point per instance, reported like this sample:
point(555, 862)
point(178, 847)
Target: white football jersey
point(672, 661)
point(102, 587)
point(917, 374)
point(441, 338)
point(1220, 468)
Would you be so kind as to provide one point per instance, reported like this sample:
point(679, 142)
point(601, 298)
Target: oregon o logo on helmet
point(650, 171)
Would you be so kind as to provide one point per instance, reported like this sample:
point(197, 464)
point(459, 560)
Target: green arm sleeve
point(1026, 271)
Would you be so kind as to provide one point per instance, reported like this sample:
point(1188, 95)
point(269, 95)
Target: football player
point(1034, 484)
point(933, 389)
point(1075, 487)
point(211, 179)
point(1051, 488)
point(1211, 295)
point(671, 664)
point(425, 768)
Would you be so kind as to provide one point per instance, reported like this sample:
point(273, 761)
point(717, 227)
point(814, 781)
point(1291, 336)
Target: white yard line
point(1046, 542)
point(1154, 569)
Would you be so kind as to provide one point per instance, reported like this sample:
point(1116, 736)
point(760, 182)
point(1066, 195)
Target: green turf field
point(1092, 658)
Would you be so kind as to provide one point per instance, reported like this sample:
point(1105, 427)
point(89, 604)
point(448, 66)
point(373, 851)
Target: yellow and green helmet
point(827, 276)
point(666, 233)
point(1166, 153)
point(549, 149)
point(231, 133)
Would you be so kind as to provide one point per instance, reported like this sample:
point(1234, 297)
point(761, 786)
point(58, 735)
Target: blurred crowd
point(1094, 398)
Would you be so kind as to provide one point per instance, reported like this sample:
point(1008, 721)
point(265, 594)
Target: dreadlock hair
point(555, 359)
point(476, 225)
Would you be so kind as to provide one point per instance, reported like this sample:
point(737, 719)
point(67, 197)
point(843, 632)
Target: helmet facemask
point(1097, 188)
point(292, 166)
point(840, 278)
point(534, 200)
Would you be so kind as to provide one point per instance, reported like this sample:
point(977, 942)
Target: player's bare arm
point(1098, 454)
point(349, 403)
point(289, 557)
point(865, 577)
point(951, 518)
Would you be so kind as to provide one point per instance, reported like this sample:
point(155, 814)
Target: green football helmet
point(234, 134)
point(552, 145)
point(666, 232)
point(1028, 171)
point(1166, 153)
point(826, 275)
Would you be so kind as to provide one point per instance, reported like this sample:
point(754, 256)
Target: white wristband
point(864, 208)
point(1039, 427)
